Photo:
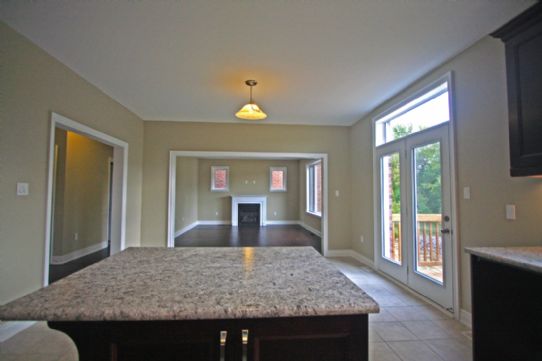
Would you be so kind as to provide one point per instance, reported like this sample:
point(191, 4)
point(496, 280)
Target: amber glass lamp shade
point(251, 111)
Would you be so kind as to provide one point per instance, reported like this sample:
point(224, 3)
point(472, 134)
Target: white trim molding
point(185, 229)
point(281, 222)
point(173, 154)
point(9, 329)
point(78, 253)
point(418, 88)
point(310, 229)
point(352, 254)
point(214, 168)
point(284, 171)
point(119, 187)
point(465, 317)
point(214, 223)
point(237, 200)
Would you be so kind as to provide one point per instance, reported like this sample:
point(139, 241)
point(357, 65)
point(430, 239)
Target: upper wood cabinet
point(522, 37)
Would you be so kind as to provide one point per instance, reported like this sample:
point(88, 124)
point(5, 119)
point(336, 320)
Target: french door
point(414, 213)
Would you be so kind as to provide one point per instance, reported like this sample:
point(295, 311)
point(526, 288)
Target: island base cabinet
point(322, 338)
point(506, 312)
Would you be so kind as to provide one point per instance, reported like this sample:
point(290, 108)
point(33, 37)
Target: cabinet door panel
point(523, 39)
point(312, 349)
point(333, 338)
point(163, 351)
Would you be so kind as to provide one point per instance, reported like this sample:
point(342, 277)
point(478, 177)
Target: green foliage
point(428, 176)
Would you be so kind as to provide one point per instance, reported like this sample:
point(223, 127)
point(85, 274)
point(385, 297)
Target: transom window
point(314, 188)
point(426, 110)
point(277, 179)
point(220, 178)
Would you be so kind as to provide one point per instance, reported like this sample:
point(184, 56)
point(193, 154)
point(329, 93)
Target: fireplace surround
point(237, 200)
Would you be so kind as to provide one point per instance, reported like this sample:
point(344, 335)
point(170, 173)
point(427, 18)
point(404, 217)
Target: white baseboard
point(78, 253)
point(185, 229)
point(220, 222)
point(310, 229)
point(9, 329)
point(350, 253)
point(277, 223)
point(213, 223)
point(465, 317)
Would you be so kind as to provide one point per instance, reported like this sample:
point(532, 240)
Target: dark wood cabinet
point(336, 338)
point(523, 43)
point(506, 312)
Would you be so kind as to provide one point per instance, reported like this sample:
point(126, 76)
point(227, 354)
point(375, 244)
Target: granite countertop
point(529, 258)
point(197, 283)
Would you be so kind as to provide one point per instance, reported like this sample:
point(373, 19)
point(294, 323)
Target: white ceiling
point(316, 61)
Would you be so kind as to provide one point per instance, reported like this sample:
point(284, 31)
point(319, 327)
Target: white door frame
point(242, 155)
point(120, 181)
point(422, 88)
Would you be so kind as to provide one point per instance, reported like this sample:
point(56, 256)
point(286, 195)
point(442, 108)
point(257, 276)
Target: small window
point(277, 179)
point(220, 179)
point(314, 188)
point(428, 109)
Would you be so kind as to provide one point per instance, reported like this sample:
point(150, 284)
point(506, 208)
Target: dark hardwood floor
point(58, 271)
point(248, 236)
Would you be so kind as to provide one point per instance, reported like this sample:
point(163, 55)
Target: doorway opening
point(86, 202)
point(414, 203)
point(208, 192)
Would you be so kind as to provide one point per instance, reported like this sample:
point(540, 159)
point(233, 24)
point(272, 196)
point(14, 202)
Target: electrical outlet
point(216, 213)
point(75, 236)
point(362, 239)
point(275, 213)
point(23, 189)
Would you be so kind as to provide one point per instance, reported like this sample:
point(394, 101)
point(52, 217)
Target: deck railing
point(429, 238)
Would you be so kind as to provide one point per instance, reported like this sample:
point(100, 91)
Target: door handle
point(223, 338)
point(445, 231)
point(244, 340)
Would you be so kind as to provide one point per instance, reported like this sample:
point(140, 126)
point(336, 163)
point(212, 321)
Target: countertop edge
point(194, 317)
point(498, 254)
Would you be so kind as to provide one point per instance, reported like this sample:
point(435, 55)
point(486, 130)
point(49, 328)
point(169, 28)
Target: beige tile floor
point(406, 329)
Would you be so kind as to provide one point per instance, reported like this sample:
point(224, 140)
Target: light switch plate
point(466, 192)
point(511, 212)
point(23, 189)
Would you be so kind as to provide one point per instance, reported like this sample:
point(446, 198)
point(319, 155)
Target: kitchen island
point(506, 287)
point(279, 303)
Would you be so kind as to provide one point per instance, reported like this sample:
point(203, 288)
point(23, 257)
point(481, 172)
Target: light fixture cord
point(251, 94)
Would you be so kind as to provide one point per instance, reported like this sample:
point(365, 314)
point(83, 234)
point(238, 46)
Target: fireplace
point(248, 214)
point(255, 210)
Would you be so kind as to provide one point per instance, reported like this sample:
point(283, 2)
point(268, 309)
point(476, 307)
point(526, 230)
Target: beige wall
point(186, 192)
point(83, 187)
point(161, 137)
point(243, 174)
point(34, 84)
point(310, 220)
point(482, 163)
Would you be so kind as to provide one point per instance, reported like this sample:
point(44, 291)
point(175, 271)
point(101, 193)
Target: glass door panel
point(428, 211)
point(413, 215)
point(391, 208)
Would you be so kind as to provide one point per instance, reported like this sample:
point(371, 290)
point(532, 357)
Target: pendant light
point(251, 111)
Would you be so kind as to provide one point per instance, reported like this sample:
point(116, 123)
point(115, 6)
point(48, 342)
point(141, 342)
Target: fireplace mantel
point(236, 200)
